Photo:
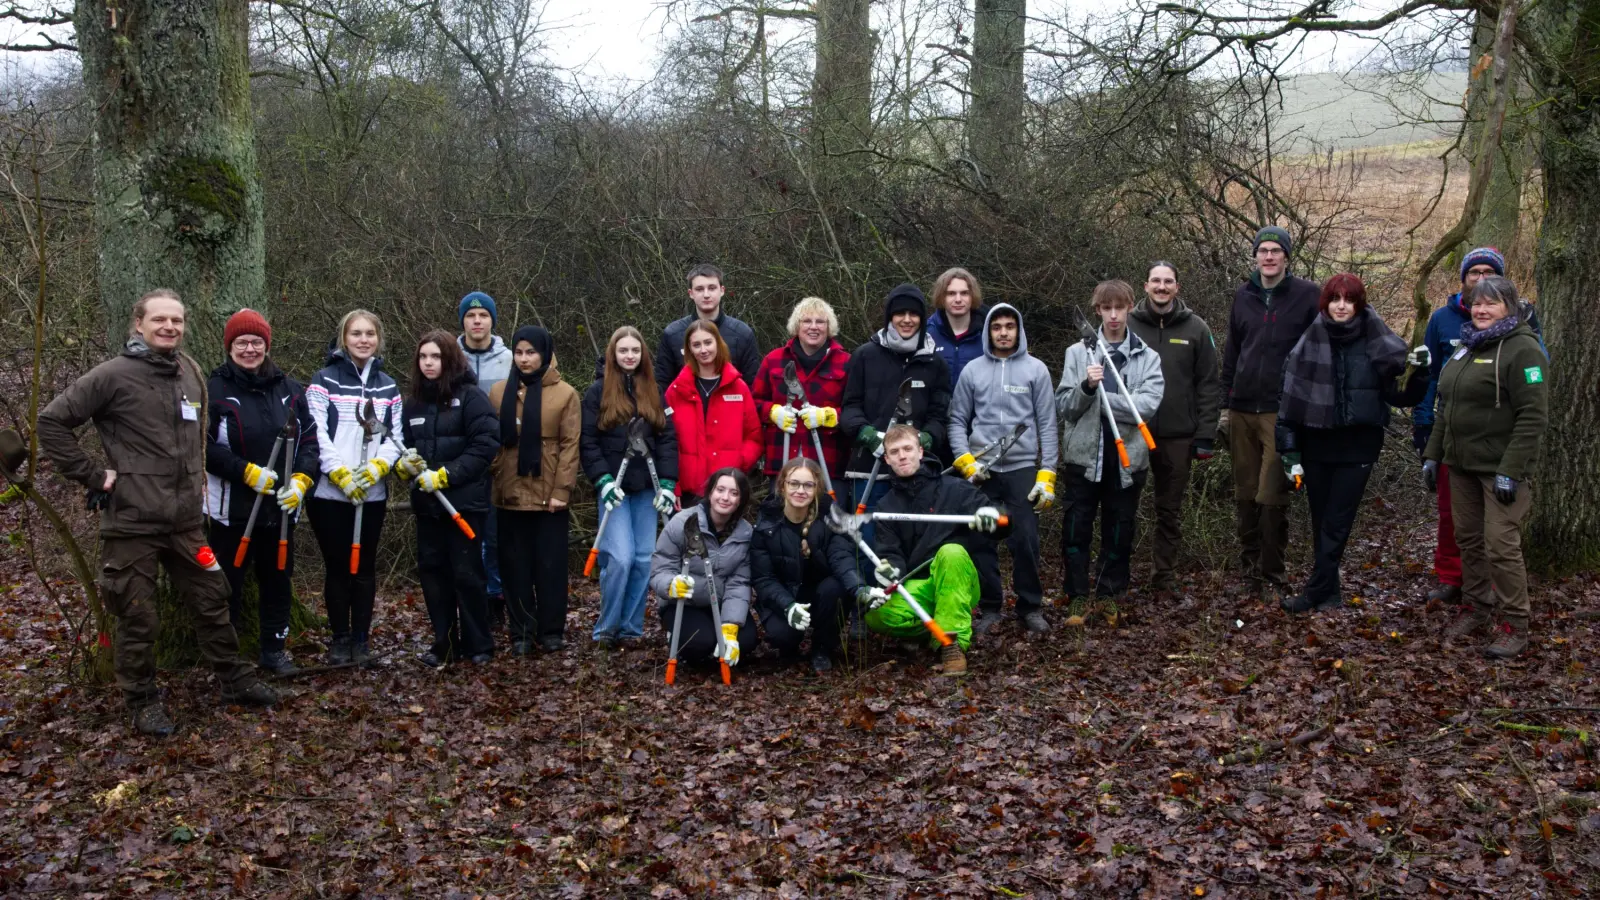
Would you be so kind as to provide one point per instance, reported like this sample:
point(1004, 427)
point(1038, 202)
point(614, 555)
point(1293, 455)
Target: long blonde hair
point(810, 465)
point(616, 407)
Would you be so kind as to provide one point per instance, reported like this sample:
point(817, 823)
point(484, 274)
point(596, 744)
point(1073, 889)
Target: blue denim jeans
point(625, 551)
point(491, 553)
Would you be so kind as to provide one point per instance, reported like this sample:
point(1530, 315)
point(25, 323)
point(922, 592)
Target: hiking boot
point(1272, 594)
point(952, 659)
point(1509, 641)
point(1034, 623)
point(1164, 583)
point(1469, 621)
point(432, 660)
point(254, 693)
point(821, 662)
point(1445, 593)
point(278, 663)
point(1106, 608)
point(1078, 612)
point(987, 620)
point(481, 659)
point(606, 642)
point(522, 648)
point(1304, 604)
point(153, 720)
point(360, 654)
point(551, 644)
point(338, 651)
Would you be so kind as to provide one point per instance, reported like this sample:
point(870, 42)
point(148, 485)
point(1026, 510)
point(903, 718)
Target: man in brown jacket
point(147, 405)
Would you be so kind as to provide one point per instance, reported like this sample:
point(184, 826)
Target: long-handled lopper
point(901, 415)
point(635, 433)
point(255, 508)
point(291, 437)
point(1116, 375)
point(859, 519)
point(797, 394)
point(1091, 342)
point(677, 615)
point(449, 508)
point(695, 543)
point(369, 429)
point(843, 523)
point(996, 448)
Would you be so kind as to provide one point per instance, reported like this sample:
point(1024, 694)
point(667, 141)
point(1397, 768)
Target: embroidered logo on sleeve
point(1178, 341)
point(1534, 374)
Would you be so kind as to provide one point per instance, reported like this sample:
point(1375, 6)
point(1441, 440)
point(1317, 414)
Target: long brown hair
point(782, 486)
point(452, 365)
point(616, 407)
point(722, 357)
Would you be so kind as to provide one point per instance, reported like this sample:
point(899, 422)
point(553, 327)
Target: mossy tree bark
point(841, 89)
point(995, 118)
point(1565, 530)
point(178, 199)
point(1500, 218)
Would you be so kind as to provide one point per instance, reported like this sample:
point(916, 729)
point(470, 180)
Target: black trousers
point(533, 571)
point(349, 598)
point(1009, 491)
point(825, 598)
point(1335, 491)
point(454, 585)
point(1119, 511)
point(699, 643)
point(274, 589)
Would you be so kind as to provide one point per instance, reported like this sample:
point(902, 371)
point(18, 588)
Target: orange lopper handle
point(355, 558)
point(465, 528)
point(1149, 440)
point(938, 633)
point(588, 564)
point(1003, 521)
point(861, 507)
point(727, 673)
point(283, 555)
point(672, 671)
point(238, 555)
point(1122, 454)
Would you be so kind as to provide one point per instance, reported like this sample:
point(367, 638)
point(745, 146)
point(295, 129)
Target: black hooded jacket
point(600, 451)
point(778, 568)
point(462, 438)
point(909, 544)
point(872, 385)
point(246, 416)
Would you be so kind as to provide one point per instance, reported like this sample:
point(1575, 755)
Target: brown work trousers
point(1489, 533)
point(128, 589)
point(1260, 501)
point(1169, 468)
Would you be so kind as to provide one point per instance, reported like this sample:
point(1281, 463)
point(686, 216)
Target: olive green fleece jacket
point(1493, 406)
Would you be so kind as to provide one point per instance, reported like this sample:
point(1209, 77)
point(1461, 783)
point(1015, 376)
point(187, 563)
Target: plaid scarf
point(1309, 389)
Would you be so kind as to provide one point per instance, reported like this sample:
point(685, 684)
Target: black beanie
point(1275, 234)
point(905, 297)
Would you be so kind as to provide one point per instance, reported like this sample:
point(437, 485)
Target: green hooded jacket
point(1493, 406)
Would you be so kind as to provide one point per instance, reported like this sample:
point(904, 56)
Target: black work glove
point(1430, 475)
point(1200, 450)
point(96, 499)
point(1505, 489)
point(1419, 437)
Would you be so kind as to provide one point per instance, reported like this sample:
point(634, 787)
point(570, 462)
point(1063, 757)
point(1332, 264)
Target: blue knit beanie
point(477, 300)
point(1483, 256)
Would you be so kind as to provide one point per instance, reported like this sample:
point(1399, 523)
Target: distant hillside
point(1366, 110)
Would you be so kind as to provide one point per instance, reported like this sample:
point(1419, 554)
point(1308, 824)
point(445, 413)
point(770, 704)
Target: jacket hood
point(770, 512)
point(267, 374)
point(1022, 332)
point(1136, 344)
point(929, 471)
point(926, 346)
point(1146, 313)
point(495, 348)
point(1456, 303)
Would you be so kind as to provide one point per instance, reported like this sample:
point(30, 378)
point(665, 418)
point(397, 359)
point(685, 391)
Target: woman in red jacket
point(713, 411)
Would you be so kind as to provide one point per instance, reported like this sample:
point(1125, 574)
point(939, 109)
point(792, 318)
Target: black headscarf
point(530, 451)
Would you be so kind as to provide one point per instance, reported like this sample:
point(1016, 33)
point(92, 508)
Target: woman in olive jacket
point(541, 419)
point(1493, 407)
point(452, 434)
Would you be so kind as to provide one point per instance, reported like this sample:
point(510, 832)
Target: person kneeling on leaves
point(727, 541)
point(950, 591)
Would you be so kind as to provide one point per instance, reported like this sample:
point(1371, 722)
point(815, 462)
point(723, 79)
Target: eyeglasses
point(1269, 251)
point(250, 344)
point(793, 485)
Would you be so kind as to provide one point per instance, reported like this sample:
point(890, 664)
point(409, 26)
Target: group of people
point(896, 470)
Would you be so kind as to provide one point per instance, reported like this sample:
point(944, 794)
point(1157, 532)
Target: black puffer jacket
point(778, 568)
point(872, 385)
point(1362, 400)
point(247, 414)
point(908, 544)
point(461, 438)
point(600, 452)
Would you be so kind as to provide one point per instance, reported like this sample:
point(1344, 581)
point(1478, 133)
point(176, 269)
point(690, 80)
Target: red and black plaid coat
point(824, 387)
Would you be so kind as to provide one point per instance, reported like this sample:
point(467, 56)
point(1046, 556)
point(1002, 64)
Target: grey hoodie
point(1083, 413)
point(729, 561)
point(491, 366)
point(995, 393)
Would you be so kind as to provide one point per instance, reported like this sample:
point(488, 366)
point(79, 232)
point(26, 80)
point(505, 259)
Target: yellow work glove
point(681, 588)
point(410, 466)
point(344, 481)
point(967, 465)
point(434, 480)
point(784, 417)
point(262, 481)
point(291, 495)
point(1043, 495)
point(730, 644)
point(819, 417)
point(371, 473)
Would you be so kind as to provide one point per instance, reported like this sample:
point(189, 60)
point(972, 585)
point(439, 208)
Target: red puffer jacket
point(725, 432)
point(824, 386)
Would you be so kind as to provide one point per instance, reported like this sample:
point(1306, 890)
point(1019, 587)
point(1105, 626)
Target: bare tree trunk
point(178, 201)
point(842, 96)
point(1499, 221)
point(1564, 533)
point(995, 117)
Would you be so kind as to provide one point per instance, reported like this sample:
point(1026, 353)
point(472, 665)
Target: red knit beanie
point(246, 321)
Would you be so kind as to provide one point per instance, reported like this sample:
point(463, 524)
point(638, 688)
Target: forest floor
point(1088, 763)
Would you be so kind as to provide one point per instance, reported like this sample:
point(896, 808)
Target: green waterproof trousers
point(948, 594)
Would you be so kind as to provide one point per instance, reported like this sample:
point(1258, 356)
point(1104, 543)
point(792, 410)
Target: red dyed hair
point(1348, 285)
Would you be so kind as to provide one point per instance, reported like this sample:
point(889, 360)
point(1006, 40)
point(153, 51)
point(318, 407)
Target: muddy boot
point(255, 692)
point(1107, 609)
point(1510, 639)
point(987, 620)
point(360, 653)
point(1445, 593)
point(152, 720)
point(1034, 623)
point(953, 661)
point(1078, 612)
point(1469, 623)
point(338, 651)
point(278, 663)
